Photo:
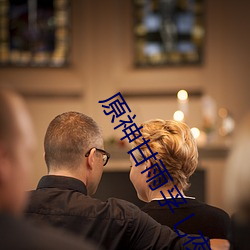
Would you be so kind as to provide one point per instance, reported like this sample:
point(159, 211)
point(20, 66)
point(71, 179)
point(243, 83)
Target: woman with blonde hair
point(178, 154)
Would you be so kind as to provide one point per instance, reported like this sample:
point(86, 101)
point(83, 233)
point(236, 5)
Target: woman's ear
point(147, 164)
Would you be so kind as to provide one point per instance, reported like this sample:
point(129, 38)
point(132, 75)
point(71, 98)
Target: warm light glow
point(178, 116)
point(223, 113)
point(182, 95)
point(195, 132)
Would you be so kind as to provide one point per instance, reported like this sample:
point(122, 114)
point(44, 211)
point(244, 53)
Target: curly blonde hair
point(175, 145)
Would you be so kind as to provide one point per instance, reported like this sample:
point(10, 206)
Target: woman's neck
point(156, 194)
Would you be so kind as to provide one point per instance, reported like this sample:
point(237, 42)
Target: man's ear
point(44, 155)
point(91, 159)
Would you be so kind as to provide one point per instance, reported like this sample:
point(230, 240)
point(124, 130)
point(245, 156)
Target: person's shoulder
point(19, 234)
point(215, 211)
point(82, 205)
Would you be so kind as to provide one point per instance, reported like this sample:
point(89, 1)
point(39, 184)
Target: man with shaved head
point(16, 148)
point(75, 158)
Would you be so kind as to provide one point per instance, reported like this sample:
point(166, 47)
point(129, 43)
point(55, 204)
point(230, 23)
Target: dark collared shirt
point(115, 224)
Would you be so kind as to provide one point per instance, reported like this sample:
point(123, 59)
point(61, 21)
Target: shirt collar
point(62, 182)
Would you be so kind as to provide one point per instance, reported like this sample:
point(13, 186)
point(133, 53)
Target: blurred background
point(97, 53)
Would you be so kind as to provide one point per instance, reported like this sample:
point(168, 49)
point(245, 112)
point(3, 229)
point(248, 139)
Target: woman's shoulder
point(214, 211)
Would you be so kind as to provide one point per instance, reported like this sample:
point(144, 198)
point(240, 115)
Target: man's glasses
point(105, 155)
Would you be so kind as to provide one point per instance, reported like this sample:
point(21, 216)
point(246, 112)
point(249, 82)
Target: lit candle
point(182, 97)
point(195, 132)
point(178, 116)
point(199, 136)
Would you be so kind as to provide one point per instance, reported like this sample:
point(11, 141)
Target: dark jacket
point(17, 234)
point(115, 224)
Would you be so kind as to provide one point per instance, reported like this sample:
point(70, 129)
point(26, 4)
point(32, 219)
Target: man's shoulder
point(73, 203)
